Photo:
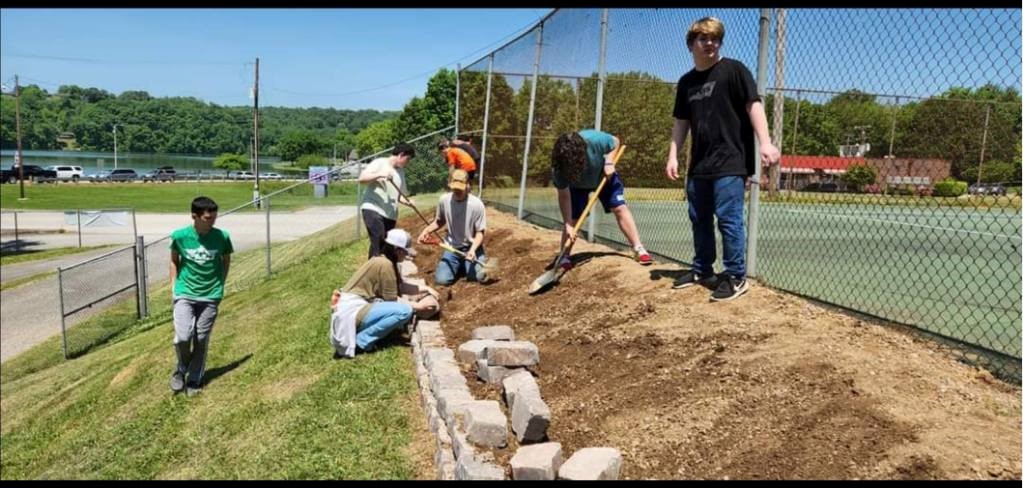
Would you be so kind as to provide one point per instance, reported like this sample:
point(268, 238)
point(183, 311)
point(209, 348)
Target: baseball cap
point(401, 239)
point(458, 179)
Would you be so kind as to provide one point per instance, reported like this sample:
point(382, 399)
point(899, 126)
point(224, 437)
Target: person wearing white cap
point(367, 308)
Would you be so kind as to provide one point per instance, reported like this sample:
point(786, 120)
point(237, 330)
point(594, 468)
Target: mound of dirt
point(766, 386)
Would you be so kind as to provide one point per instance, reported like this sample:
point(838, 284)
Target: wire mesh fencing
point(134, 281)
point(897, 194)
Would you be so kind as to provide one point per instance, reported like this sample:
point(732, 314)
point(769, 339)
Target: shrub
point(307, 160)
point(231, 161)
point(949, 187)
point(859, 175)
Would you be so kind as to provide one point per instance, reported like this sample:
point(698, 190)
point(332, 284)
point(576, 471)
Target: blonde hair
point(708, 26)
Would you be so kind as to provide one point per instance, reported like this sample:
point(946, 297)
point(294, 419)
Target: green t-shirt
point(201, 269)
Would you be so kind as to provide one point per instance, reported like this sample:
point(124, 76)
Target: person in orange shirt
point(457, 158)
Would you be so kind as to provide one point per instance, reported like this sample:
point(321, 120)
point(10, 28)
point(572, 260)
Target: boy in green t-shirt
point(200, 258)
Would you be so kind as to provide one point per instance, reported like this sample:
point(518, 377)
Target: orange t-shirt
point(459, 159)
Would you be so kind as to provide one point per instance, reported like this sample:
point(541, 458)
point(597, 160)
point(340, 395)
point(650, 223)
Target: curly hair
point(569, 156)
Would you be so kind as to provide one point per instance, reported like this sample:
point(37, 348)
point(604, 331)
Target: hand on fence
point(769, 153)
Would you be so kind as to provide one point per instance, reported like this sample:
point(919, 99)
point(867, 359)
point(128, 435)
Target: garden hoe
point(551, 276)
point(490, 266)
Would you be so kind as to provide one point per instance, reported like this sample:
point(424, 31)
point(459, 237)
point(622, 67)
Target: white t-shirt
point(380, 196)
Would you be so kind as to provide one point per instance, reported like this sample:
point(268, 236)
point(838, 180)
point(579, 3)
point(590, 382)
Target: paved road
point(29, 314)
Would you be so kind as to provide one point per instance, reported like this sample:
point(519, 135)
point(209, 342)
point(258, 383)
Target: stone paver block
point(492, 374)
point(448, 400)
point(445, 462)
point(520, 380)
point(446, 376)
point(469, 468)
point(537, 461)
point(408, 268)
point(592, 463)
point(461, 446)
point(485, 424)
point(471, 351)
point(494, 332)
point(511, 354)
point(436, 355)
point(530, 417)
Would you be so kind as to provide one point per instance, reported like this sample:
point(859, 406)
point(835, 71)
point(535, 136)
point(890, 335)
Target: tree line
point(83, 118)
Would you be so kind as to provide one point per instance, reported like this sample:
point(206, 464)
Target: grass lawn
point(24, 280)
point(13, 257)
point(275, 404)
point(166, 197)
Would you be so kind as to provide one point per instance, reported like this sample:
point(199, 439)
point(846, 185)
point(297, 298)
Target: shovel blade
point(543, 281)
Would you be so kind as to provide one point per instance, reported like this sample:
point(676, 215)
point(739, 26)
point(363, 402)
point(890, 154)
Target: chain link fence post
point(597, 116)
point(529, 122)
point(486, 119)
point(60, 304)
point(754, 196)
point(140, 277)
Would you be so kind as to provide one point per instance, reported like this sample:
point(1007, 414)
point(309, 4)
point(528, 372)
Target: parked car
point(163, 173)
point(123, 174)
point(242, 175)
point(821, 187)
point(68, 173)
point(272, 176)
point(987, 189)
point(31, 173)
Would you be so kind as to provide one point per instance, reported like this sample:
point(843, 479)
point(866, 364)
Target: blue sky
point(308, 57)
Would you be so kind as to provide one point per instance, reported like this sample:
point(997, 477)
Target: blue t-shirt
point(598, 144)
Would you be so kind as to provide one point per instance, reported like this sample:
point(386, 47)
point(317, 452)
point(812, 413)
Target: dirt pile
point(766, 386)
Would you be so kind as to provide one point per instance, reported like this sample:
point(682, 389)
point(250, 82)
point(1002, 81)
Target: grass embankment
point(167, 197)
point(276, 405)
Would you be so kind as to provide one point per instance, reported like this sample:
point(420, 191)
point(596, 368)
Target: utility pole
point(255, 137)
point(983, 142)
point(17, 123)
point(115, 146)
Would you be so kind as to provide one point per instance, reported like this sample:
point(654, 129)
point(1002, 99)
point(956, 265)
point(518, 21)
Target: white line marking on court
point(882, 221)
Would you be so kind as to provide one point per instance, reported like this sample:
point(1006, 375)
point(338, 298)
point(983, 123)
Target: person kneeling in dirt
point(466, 220)
point(369, 306)
point(578, 162)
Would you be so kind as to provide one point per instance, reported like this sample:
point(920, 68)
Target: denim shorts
point(611, 196)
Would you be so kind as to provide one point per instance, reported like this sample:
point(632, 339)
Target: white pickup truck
point(68, 173)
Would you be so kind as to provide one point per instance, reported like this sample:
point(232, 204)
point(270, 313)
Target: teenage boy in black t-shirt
point(718, 100)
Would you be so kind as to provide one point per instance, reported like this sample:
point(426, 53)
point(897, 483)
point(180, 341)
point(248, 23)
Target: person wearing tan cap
point(465, 218)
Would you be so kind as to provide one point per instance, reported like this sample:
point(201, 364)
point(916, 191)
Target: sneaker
point(690, 278)
point(177, 382)
point(193, 389)
point(566, 263)
point(642, 257)
point(729, 288)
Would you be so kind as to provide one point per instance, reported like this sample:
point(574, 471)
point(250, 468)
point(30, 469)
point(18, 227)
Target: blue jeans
point(383, 317)
point(451, 266)
point(721, 197)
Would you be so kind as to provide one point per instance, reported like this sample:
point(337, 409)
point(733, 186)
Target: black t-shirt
point(714, 102)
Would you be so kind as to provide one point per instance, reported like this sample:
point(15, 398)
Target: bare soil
point(767, 386)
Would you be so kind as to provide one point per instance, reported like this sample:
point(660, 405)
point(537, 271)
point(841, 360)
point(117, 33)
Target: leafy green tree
point(307, 160)
point(231, 161)
point(298, 143)
point(374, 138)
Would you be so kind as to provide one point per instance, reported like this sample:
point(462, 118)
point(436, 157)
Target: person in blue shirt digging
point(578, 162)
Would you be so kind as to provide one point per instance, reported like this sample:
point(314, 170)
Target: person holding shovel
point(578, 162)
point(379, 205)
point(465, 218)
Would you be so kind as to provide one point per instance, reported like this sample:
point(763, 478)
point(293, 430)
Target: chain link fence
point(135, 280)
point(76, 228)
point(897, 194)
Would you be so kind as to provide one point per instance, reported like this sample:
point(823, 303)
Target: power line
point(411, 78)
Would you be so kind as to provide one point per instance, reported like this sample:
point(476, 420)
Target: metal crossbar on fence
point(897, 194)
point(93, 284)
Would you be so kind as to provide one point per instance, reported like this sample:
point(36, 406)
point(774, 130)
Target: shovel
point(489, 266)
point(550, 276)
